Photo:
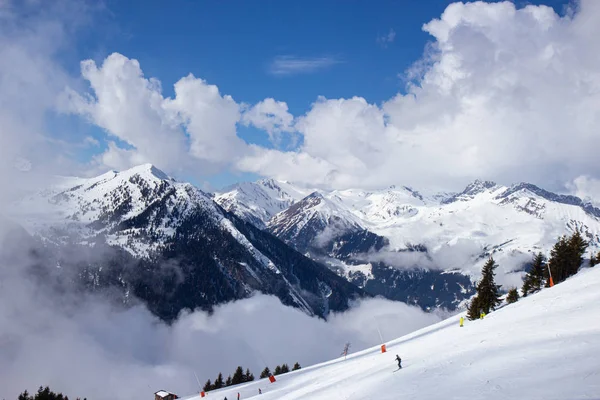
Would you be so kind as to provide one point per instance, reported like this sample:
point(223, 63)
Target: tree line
point(44, 394)
point(566, 257)
point(239, 376)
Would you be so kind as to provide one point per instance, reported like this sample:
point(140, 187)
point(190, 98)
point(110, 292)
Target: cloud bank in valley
point(83, 346)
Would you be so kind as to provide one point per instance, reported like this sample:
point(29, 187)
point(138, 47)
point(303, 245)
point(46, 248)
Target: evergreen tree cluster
point(44, 394)
point(239, 376)
point(536, 277)
point(566, 257)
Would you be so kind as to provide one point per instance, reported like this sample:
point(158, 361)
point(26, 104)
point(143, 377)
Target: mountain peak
point(147, 168)
point(471, 190)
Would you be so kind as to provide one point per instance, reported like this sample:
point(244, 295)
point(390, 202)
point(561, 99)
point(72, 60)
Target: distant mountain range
point(421, 249)
point(141, 235)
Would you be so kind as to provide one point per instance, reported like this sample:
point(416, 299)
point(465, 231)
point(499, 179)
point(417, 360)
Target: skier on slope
point(399, 361)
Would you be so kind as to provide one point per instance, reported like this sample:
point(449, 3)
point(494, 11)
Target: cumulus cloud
point(292, 65)
point(483, 102)
point(271, 116)
point(197, 125)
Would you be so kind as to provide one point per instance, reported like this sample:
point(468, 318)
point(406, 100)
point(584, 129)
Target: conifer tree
point(513, 296)
point(218, 382)
point(228, 381)
point(208, 386)
point(558, 261)
point(249, 376)
point(285, 368)
point(265, 373)
point(43, 394)
point(534, 279)
point(595, 260)
point(277, 370)
point(577, 247)
point(566, 256)
point(488, 292)
point(238, 376)
point(296, 367)
point(474, 309)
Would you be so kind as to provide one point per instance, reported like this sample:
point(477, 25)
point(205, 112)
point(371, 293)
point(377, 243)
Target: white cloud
point(291, 65)
point(31, 36)
point(486, 103)
point(72, 343)
point(586, 188)
point(271, 116)
point(384, 40)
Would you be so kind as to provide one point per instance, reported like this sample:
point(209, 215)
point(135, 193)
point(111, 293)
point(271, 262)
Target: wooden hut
point(164, 395)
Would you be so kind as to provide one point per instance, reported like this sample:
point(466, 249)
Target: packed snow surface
point(545, 346)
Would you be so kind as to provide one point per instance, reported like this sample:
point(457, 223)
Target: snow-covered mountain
point(171, 245)
point(399, 232)
point(545, 346)
point(257, 202)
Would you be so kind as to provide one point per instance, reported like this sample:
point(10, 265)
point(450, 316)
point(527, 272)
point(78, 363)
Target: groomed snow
point(545, 346)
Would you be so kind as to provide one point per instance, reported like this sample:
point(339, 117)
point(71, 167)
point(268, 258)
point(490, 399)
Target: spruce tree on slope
point(238, 376)
point(219, 382)
point(487, 290)
point(277, 370)
point(207, 386)
point(474, 309)
point(595, 260)
point(265, 373)
point(577, 247)
point(513, 296)
point(296, 367)
point(534, 279)
point(285, 368)
point(559, 260)
point(249, 376)
point(566, 256)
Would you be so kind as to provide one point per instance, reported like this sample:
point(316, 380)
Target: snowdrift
point(546, 346)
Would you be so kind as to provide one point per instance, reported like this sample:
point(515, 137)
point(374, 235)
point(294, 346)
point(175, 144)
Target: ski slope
point(546, 346)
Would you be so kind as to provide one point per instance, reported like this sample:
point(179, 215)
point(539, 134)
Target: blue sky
point(331, 49)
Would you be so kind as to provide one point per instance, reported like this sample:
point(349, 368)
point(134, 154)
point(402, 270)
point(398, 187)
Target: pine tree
point(277, 370)
point(296, 367)
point(526, 287)
point(534, 279)
point(207, 386)
point(228, 381)
point(474, 309)
point(249, 377)
point(42, 394)
point(218, 382)
point(238, 376)
point(488, 292)
point(24, 396)
point(566, 256)
point(577, 247)
point(595, 260)
point(513, 296)
point(558, 261)
point(285, 368)
point(265, 373)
